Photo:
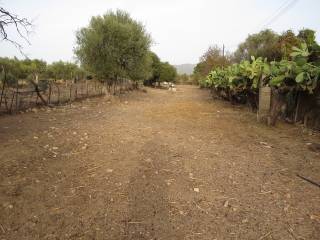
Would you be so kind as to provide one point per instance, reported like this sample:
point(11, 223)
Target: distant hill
point(185, 68)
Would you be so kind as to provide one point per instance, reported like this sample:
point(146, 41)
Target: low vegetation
point(297, 70)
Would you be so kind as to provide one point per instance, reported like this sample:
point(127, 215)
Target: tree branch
point(21, 25)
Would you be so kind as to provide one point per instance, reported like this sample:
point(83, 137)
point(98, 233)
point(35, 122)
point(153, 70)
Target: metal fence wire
point(22, 97)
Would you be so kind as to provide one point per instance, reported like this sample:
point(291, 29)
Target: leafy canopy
point(263, 44)
point(167, 72)
point(114, 45)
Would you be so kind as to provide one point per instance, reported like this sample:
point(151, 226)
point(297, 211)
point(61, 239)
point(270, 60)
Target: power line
point(285, 6)
point(274, 13)
point(283, 11)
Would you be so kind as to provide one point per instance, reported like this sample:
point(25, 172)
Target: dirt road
point(155, 165)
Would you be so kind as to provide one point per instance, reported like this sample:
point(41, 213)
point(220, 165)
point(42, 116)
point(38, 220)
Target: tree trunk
point(36, 88)
point(49, 94)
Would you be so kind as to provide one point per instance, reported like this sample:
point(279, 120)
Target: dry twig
point(21, 25)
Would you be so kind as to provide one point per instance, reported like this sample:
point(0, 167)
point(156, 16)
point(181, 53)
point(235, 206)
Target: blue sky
point(181, 30)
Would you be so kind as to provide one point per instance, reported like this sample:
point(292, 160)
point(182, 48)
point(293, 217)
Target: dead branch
point(21, 25)
point(36, 88)
point(308, 180)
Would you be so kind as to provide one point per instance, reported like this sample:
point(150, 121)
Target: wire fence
point(19, 98)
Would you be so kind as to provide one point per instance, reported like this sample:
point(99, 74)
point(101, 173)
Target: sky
point(181, 30)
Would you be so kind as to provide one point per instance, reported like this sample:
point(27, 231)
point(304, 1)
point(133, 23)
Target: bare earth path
point(156, 165)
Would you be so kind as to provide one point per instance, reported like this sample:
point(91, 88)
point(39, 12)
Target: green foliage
point(160, 71)
point(212, 58)
point(300, 52)
point(264, 44)
point(35, 70)
point(308, 36)
point(12, 66)
point(143, 70)
point(156, 66)
point(10, 79)
point(167, 72)
point(288, 40)
point(114, 46)
point(64, 70)
point(275, 47)
point(186, 79)
point(246, 76)
point(295, 66)
point(239, 77)
point(298, 73)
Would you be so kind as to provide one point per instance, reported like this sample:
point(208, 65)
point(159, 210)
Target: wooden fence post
point(17, 95)
point(87, 87)
point(3, 84)
point(70, 93)
point(76, 92)
point(30, 98)
point(12, 98)
point(49, 94)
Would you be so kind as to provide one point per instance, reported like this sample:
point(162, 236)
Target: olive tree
point(167, 72)
point(142, 71)
point(155, 69)
point(114, 46)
